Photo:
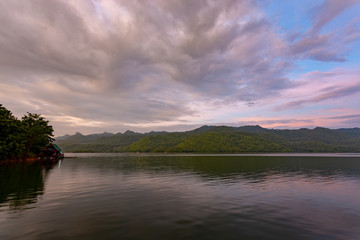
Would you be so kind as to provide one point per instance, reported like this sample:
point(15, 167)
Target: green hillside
point(227, 142)
point(158, 143)
point(354, 132)
point(217, 139)
point(98, 143)
point(314, 140)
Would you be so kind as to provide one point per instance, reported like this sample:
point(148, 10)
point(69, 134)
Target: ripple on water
point(186, 198)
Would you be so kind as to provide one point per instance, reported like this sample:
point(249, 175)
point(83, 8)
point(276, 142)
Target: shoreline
point(26, 160)
point(81, 155)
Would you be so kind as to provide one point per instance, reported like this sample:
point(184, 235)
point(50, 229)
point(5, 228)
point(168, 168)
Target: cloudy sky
point(112, 65)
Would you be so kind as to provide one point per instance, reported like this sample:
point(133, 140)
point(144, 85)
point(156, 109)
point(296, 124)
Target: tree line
point(23, 138)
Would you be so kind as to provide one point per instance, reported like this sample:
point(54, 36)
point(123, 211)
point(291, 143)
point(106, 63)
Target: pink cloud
point(319, 87)
point(329, 10)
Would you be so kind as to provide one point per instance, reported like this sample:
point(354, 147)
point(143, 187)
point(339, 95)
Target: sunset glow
point(95, 66)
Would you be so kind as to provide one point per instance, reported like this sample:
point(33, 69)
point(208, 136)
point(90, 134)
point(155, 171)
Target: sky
point(91, 66)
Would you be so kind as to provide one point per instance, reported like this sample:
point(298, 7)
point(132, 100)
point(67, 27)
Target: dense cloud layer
point(116, 64)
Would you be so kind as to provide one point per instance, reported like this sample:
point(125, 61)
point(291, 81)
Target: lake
point(139, 196)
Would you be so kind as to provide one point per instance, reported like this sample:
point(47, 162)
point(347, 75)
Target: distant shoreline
point(130, 154)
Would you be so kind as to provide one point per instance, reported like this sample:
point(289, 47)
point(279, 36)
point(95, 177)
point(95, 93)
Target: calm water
point(182, 197)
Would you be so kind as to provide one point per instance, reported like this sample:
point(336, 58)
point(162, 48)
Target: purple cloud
point(120, 63)
point(326, 94)
point(346, 116)
point(328, 11)
point(326, 47)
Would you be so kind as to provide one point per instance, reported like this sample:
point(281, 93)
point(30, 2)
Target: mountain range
point(218, 139)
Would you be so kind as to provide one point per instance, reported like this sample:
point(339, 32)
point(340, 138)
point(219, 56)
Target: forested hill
point(218, 139)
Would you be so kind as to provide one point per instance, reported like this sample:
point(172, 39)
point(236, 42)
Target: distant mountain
point(128, 132)
point(103, 142)
point(211, 139)
point(315, 140)
point(252, 129)
point(203, 129)
point(78, 137)
point(63, 137)
point(227, 142)
point(354, 132)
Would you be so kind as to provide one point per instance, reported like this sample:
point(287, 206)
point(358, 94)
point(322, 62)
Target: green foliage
point(227, 142)
point(37, 133)
point(157, 143)
point(12, 143)
point(354, 132)
point(315, 140)
point(209, 142)
point(22, 138)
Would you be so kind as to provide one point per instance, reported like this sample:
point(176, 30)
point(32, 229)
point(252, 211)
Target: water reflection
point(202, 197)
point(232, 167)
point(22, 183)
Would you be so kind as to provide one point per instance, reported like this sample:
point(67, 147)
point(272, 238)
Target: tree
point(23, 138)
point(12, 143)
point(37, 134)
